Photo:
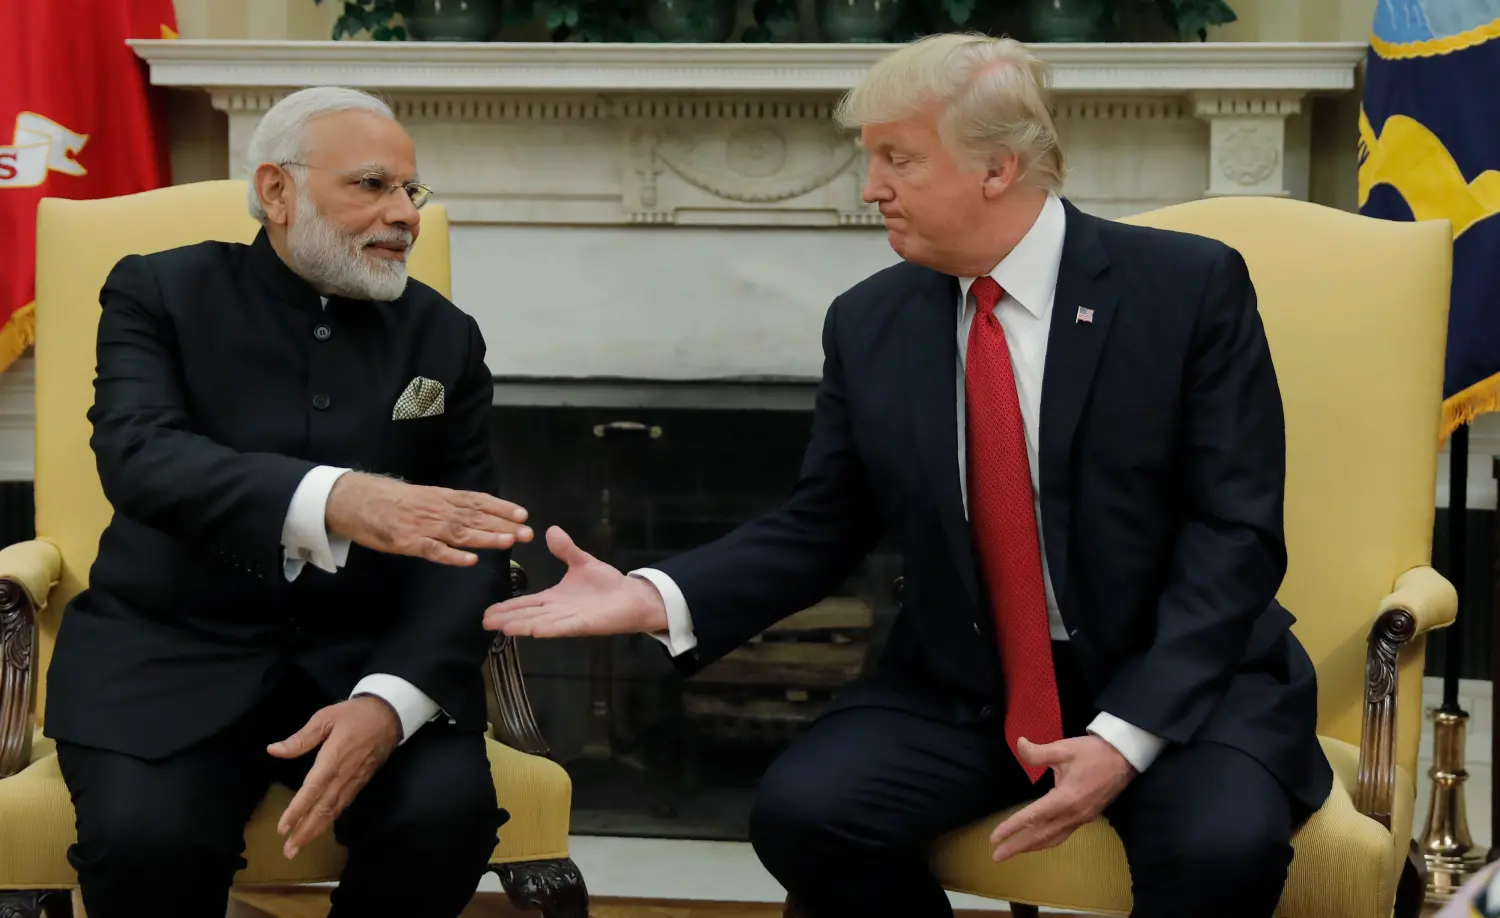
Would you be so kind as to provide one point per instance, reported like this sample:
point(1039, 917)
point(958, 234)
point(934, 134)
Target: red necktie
point(1003, 517)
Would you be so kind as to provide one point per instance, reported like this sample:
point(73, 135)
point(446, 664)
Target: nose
point(876, 188)
point(400, 211)
point(410, 221)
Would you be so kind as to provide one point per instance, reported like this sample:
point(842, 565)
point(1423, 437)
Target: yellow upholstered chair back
point(1356, 311)
point(78, 242)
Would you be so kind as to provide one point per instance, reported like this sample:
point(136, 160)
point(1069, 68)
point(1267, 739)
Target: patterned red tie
point(1003, 516)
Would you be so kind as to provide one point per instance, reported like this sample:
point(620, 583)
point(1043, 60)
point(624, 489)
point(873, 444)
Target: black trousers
point(419, 834)
point(843, 819)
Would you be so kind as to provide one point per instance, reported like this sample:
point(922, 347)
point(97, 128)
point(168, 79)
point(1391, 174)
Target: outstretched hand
point(437, 524)
point(593, 598)
point(1089, 773)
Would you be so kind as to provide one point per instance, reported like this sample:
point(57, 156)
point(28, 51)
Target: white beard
point(335, 261)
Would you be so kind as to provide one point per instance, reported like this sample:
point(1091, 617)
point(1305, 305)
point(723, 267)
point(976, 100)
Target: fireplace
point(636, 473)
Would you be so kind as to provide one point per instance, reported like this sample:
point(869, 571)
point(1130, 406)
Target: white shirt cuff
point(679, 638)
point(412, 707)
point(304, 535)
point(1139, 747)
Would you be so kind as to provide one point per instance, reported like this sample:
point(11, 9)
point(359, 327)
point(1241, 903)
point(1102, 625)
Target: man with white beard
point(259, 611)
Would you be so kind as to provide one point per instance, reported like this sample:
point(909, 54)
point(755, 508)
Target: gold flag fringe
point(18, 334)
point(1481, 398)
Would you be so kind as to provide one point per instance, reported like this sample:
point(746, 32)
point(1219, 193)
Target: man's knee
point(462, 809)
point(128, 838)
point(799, 815)
point(443, 803)
point(1209, 830)
point(1245, 855)
point(1234, 861)
point(139, 819)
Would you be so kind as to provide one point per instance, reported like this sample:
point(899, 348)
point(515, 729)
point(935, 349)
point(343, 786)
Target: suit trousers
point(845, 817)
point(419, 834)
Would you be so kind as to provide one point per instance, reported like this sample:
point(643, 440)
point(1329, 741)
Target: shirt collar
point(1029, 272)
point(277, 275)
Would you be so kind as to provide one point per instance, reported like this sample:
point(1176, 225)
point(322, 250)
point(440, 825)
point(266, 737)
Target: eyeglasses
point(376, 185)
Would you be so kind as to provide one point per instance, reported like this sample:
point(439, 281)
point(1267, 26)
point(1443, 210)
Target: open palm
point(593, 598)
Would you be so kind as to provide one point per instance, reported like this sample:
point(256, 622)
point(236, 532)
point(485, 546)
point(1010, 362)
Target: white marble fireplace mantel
point(749, 67)
point(740, 134)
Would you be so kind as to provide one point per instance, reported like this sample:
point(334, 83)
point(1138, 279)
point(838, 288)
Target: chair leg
point(1411, 889)
point(43, 903)
point(1022, 910)
point(555, 888)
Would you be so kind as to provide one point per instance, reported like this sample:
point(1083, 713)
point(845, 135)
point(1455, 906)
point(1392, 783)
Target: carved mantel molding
point(742, 134)
point(735, 68)
point(1247, 139)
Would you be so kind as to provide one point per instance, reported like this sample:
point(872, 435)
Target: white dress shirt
point(1028, 275)
point(305, 540)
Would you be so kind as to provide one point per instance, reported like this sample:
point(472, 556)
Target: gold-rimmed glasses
point(375, 184)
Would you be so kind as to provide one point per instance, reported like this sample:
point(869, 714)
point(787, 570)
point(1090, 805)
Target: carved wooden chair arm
point(516, 726)
point(1422, 601)
point(28, 571)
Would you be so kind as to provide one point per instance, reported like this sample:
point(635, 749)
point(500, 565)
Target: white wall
point(657, 303)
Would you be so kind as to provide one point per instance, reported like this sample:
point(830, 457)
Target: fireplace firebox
point(636, 473)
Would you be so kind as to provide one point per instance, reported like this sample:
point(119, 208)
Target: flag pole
point(1447, 847)
point(1494, 613)
point(1458, 543)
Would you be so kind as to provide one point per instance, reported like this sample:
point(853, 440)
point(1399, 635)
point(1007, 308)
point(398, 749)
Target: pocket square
point(423, 398)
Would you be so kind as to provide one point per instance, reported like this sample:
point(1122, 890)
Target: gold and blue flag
point(1429, 149)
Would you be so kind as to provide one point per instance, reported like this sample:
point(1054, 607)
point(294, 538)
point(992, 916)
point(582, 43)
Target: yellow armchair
point(1356, 311)
point(77, 243)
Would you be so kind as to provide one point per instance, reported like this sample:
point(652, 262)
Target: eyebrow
point(377, 167)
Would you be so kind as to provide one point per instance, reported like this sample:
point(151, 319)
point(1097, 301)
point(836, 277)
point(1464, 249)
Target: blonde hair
point(994, 94)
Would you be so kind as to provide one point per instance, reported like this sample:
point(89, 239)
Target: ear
point(275, 193)
point(1001, 174)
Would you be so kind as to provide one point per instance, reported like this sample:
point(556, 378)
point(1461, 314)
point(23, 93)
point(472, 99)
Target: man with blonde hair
point(1073, 430)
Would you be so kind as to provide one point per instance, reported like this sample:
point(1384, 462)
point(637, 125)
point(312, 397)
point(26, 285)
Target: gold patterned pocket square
point(423, 398)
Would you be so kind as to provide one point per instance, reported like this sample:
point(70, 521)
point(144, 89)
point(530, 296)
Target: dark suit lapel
point(931, 332)
point(1073, 349)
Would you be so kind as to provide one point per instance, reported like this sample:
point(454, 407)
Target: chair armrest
point(517, 726)
point(1422, 601)
point(28, 571)
point(1426, 596)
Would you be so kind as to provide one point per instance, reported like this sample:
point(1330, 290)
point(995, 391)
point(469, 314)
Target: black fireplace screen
point(650, 753)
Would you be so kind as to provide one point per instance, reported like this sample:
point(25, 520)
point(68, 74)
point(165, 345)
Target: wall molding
point(790, 67)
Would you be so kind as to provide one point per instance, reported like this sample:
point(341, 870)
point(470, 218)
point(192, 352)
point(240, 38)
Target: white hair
point(281, 135)
point(994, 94)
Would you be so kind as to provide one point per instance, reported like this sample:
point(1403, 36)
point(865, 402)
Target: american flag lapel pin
point(1084, 315)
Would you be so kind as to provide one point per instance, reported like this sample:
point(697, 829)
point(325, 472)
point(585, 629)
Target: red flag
point(78, 119)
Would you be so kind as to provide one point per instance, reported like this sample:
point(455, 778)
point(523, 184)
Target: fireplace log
point(769, 689)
